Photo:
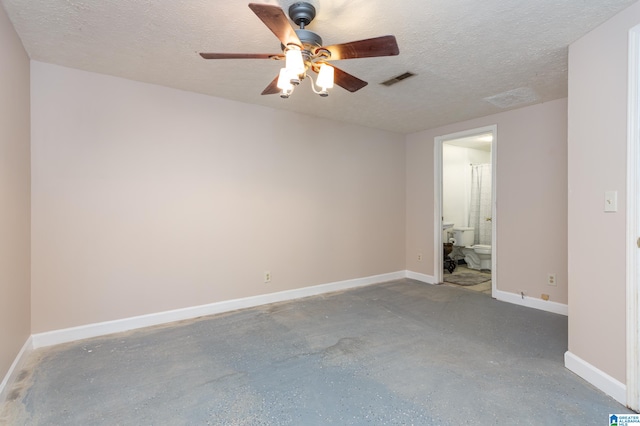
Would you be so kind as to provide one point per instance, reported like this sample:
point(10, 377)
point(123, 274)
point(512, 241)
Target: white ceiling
point(471, 58)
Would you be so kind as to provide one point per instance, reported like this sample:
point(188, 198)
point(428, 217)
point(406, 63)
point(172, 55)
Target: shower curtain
point(480, 206)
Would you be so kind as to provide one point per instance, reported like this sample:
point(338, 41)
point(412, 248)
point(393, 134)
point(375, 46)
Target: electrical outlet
point(551, 279)
point(267, 276)
point(419, 257)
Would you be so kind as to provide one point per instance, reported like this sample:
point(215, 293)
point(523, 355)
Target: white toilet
point(477, 256)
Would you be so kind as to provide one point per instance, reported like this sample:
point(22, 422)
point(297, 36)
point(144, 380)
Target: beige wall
point(531, 196)
point(148, 199)
point(598, 65)
point(15, 308)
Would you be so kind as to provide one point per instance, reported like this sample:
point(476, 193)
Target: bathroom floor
point(484, 287)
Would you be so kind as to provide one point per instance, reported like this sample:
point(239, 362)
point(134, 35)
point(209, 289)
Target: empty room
point(319, 212)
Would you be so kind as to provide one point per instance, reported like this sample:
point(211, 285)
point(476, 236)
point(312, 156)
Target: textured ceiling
point(471, 58)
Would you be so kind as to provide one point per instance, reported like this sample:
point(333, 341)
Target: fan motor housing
point(309, 38)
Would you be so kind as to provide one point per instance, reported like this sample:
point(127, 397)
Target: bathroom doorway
point(465, 199)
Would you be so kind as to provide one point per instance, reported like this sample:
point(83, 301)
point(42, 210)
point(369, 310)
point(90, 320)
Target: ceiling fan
point(302, 50)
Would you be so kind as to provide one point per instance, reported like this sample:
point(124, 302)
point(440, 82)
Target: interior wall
point(456, 181)
point(598, 66)
point(531, 195)
point(147, 199)
point(15, 308)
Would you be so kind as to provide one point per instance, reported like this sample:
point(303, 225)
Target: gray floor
point(396, 353)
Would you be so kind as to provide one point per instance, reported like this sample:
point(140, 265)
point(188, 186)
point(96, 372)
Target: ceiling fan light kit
point(303, 51)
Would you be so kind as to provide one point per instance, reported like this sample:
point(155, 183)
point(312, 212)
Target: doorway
point(465, 209)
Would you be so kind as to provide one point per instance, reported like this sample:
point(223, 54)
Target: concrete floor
point(401, 352)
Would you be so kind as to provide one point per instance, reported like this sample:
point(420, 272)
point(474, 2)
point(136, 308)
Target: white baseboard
point(532, 302)
point(596, 377)
point(420, 277)
point(126, 324)
point(15, 368)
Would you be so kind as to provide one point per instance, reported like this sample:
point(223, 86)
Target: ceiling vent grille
point(513, 98)
point(397, 79)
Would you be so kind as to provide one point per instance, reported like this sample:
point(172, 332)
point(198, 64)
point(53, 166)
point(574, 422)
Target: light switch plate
point(611, 201)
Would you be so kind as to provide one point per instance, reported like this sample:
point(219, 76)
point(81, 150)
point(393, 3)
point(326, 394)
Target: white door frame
point(633, 221)
point(439, 141)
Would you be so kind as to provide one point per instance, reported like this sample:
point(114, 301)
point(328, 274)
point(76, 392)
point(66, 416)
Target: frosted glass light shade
point(284, 80)
point(325, 77)
point(294, 62)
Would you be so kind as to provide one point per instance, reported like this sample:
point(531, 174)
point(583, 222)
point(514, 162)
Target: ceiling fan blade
point(347, 81)
point(272, 88)
point(242, 56)
point(275, 19)
point(342, 78)
point(369, 48)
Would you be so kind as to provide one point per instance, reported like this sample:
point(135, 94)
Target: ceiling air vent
point(513, 98)
point(397, 79)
